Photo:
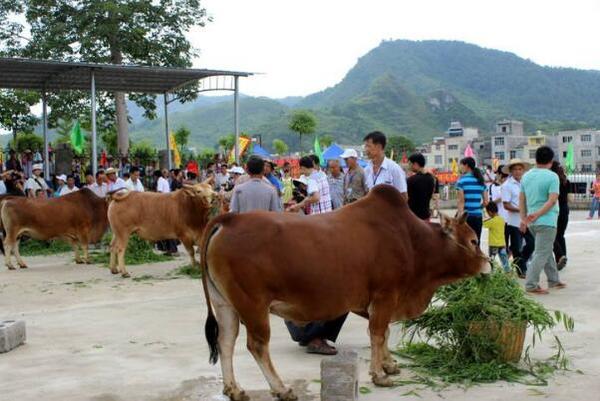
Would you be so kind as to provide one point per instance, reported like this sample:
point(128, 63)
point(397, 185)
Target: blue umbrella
point(260, 151)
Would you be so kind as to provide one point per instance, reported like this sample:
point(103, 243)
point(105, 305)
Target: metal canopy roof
point(18, 73)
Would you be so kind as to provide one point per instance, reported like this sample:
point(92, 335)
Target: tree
point(206, 156)
point(63, 131)
point(182, 136)
point(227, 142)
point(133, 32)
point(281, 148)
point(326, 140)
point(109, 139)
point(28, 140)
point(15, 110)
point(303, 123)
point(399, 144)
point(144, 151)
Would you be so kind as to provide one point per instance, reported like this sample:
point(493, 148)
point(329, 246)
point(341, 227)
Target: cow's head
point(202, 191)
point(463, 241)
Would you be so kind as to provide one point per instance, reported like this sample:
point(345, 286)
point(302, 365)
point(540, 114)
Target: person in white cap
point(115, 183)
point(69, 187)
point(36, 181)
point(355, 185)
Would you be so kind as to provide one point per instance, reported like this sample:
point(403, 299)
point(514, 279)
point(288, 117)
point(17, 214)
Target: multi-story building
point(509, 141)
point(457, 139)
point(482, 147)
point(435, 154)
point(534, 142)
point(586, 148)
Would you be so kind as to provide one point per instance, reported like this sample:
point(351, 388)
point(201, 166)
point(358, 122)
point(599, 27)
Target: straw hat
point(515, 162)
point(110, 170)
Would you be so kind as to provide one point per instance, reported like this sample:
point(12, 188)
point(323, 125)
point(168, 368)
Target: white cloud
point(306, 46)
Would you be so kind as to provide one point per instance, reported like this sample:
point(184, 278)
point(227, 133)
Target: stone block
point(12, 334)
point(339, 377)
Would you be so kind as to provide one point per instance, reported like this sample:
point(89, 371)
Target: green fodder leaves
point(470, 326)
point(187, 270)
point(33, 247)
point(138, 252)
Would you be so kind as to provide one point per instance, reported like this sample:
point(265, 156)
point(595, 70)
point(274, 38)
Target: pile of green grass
point(451, 352)
point(33, 247)
point(138, 252)
point(187, 270)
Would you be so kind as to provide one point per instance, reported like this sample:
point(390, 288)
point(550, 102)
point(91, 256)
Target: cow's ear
point(446, 222)
point(462, 219)
point(188, 189)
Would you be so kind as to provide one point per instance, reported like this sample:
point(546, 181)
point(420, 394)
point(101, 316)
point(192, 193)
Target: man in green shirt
point(539, 212)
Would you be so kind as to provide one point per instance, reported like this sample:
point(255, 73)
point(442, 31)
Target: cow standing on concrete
point(182, 214)
point(390, 273)
point(79, 217)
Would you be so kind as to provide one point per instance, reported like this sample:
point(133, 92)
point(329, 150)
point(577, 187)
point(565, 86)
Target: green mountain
point(414, 89)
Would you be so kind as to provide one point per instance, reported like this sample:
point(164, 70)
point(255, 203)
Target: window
point(513, 154)
point(567, 139)
point(586, 167)
point(438, 160)
point(532, 154)
point(565, 154)
point(499, 155)
point(586, 152)
point(437, 147)
point(499, 141)
point(598, 150)
point(586, 138)
point(452, 147)
point(503, 129)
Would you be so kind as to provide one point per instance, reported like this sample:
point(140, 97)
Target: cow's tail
point(211, 327)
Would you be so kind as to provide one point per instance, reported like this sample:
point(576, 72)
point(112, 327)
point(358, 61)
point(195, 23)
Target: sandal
point(558, 286)
point(537, 291)
point(320, 347)
point(562, 263)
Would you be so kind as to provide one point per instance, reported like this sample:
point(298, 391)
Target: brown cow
point(79, 217)
point(373, 257)
point(182, 214)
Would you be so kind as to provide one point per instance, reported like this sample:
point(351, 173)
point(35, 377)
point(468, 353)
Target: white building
point(586, 147)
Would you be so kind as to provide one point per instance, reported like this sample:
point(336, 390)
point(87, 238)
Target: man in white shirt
point(134, 183)
point(222, 177)
point(382, 170)
point(69, 187)
point(100, 187)
point(511, 191)
point(35, 181)
point(317, 200)
point(162, 185)
point(115, 183)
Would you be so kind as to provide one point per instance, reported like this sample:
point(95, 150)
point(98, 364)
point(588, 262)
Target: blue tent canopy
point(332, 152)
point(260, 151)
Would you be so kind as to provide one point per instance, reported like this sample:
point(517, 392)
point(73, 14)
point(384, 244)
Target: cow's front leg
point(390, 366)
point(379, 319)
point(75, 247)
point(189, 247)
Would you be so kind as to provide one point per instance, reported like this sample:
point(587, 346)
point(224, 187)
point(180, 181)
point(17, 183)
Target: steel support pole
point(45, 132)
point(169, 157)
point(94, 139)
point(236, 118)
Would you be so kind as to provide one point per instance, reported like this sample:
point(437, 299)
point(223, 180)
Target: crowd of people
point(525, 208)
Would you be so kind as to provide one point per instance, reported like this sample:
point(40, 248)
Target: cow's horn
point(209, 180)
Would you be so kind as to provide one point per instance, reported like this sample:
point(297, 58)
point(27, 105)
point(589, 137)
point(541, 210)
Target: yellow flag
point(173, 147)
point(243, 145)
point(392, 154)
point(454, 167)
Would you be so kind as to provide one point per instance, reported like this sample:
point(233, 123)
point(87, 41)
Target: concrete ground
point(94, 336)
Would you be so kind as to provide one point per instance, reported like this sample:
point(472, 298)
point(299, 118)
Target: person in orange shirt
point(595, 190)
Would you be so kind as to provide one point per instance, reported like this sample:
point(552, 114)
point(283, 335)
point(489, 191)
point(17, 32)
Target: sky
point(301, 47)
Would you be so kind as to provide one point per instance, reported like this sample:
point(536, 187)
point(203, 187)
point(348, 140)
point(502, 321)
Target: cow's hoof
point(114, 271)
point(125, 275)
point(391, 368)
point(23, 266)
point(79, 262)
point(286, 396)
point(89, 262)
point(235, 394)
point(11, 268)
point(382, 381)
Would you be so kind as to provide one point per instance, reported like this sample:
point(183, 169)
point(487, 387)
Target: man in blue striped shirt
point(472, 195)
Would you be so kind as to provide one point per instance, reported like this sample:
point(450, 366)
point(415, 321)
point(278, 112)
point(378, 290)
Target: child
point(496, 241)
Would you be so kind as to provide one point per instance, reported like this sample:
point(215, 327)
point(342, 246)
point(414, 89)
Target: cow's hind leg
point(75, 246)
point(229, 325)
point(379, 320)
point(20, 260)
point(121, 248)
point(113, 255)
point(390, 366)
point(258, 333)
point(9, 243)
